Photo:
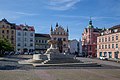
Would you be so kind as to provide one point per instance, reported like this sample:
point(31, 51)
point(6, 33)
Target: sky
point(74, 14)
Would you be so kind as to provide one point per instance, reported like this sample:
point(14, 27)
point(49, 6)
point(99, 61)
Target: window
point(45, 41)
point(25, 34)
point(109, 46)
point(31, 34)
point(31, 39)
point(112, 38)
point(110, 54)
point(39, 41)
point(18, 44)
point(105, 39)
point(105, 54)
point(100, 54)
point(25, 44)
point(31, 44)
point(12, 32)
point(112, 45)
point(102, 39)
point(12, 38)
point(19, 34)
point(116, 45)
point(102, 46)
point(45, 46)
point(18, 49)
point(36, 40)
point(42, 41)
point(64, 45)
point(54, 38)
point(105, 46)
point(90, 48)
point(7, 31)
point(2, 31)
point(59, 39)
point(25, 39)
point(99, 46)
point(64, 39)
point(99, 40)
point(116, 37)
point(108, 38)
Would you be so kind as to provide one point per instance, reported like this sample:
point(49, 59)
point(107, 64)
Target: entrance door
point(110, 54)
point(116, 55)
point(60, 45)
point(100, 54)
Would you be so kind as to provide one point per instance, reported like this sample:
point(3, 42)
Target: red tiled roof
point(31, 29)
point(18, 28)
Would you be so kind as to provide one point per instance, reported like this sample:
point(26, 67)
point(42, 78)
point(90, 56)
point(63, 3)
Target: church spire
point(57, 24)
point(67, 29)
point(90, 23)
point(51, 28)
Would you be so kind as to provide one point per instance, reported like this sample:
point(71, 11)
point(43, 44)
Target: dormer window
point(3, 26)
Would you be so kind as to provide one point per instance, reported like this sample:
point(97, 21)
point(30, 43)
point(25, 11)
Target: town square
point(60, 40)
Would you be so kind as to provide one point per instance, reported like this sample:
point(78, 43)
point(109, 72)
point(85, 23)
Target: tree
point(5, 45)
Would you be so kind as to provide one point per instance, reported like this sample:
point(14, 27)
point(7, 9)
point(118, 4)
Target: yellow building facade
point(7, 31)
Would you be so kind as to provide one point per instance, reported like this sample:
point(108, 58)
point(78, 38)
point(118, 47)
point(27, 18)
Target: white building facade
point(25, 37)
point(75, 46)
point(80, 46)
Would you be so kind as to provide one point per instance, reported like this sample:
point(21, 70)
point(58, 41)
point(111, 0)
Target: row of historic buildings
point(20, 36)
point(95, 42)
point(101, 42)
point(25, 40)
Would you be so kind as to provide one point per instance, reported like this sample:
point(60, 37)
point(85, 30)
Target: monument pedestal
point(53, 57)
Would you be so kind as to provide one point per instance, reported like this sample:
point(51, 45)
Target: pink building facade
point(108, 43)
point(89, 40)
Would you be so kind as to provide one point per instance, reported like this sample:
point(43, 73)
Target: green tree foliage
point(5, 45)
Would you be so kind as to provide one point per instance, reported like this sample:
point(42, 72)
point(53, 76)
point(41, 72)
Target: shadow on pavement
point(8, 60)
point(9, 67)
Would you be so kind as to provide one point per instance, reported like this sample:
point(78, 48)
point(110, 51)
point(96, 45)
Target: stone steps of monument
point(61, 61)
point(69, 65)
point(44, 61)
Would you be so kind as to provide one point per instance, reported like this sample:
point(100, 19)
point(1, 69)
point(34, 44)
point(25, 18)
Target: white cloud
point(27, 14)
point(62, 4)
point(88, 17)
point(73, 16)
point(12, 15)
point(9, 15)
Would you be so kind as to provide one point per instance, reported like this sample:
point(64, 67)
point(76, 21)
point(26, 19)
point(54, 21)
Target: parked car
point(103, 58)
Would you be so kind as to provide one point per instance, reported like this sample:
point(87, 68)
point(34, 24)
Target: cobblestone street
point(11, 70)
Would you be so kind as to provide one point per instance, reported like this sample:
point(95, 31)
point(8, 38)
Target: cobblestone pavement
point(11, 63)
point(102, 62)
point(11, 70)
